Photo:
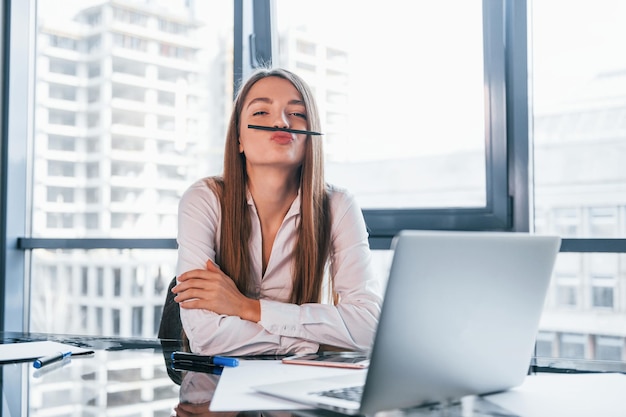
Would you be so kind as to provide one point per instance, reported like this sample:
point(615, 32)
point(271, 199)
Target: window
point(579, 138)
point(130, 42)
point(567, 295)
point(117, 282)
point(63, 42)
point(61, 143)
point(99, 282)
point(426, 162)
point(418, 166)
point(60, 195)
point(603, 222)
point(573, 346)
point(116, 322)
point(461, 163)
point(545, 344)
point(602, 296)
point(609, 348)
point(129, 16)
point(110, 69)
point(137, 321)
point(172, 27)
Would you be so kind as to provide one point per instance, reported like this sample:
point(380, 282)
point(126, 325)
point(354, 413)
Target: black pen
point(52, 367)
point(47, 360)
point(204, 359)
point(284, 129)
point(206, 368)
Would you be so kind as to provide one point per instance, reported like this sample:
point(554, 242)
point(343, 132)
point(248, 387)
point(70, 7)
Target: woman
point(272, 260)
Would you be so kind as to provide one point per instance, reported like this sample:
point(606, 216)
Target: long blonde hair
point(312, 248)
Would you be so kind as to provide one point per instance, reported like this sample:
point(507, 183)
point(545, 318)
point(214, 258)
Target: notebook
point(460, 316)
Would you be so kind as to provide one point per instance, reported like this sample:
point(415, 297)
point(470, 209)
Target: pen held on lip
point(284, 129)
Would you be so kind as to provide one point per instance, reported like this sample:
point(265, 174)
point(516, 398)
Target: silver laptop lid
point(460, 316)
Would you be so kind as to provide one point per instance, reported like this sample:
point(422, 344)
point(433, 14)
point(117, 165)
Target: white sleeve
point(352, 323)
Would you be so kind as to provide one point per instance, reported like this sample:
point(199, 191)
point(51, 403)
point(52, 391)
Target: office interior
point(492, 115)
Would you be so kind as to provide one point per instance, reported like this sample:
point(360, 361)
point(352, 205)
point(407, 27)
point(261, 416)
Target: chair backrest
point(171, 326)
point(171, 332)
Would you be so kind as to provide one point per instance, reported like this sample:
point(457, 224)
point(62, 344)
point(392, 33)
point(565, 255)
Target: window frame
point(500, 135)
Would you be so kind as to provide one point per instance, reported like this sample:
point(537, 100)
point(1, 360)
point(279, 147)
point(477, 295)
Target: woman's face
point(273, 102)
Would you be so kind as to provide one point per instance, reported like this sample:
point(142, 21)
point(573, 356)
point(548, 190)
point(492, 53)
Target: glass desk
point(131, 377)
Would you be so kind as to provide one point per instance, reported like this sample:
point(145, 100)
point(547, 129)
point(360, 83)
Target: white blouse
point(284, 327)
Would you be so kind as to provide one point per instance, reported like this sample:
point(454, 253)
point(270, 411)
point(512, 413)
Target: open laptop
point(460, 316)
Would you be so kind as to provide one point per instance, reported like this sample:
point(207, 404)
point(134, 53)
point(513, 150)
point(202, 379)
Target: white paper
point(571, 395)
point(234, 390)
point(25, 351)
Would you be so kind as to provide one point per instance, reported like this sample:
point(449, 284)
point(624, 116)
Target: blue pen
point(47, 360)
point(212, 360)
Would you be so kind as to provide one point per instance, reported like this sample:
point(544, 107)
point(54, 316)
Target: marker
point(284, 129)
point(211, 360)
point(197, 367)
point(47, 360)
point(52, 367)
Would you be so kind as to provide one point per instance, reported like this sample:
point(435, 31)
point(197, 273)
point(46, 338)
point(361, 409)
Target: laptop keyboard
point(347, 393)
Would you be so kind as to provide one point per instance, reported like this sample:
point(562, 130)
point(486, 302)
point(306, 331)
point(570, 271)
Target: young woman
point(271, 259)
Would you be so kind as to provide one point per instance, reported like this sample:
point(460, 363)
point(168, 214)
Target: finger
point(184, 285)
point(190, 274)
point(212, 266)
point(194, 304)
point(193, 293)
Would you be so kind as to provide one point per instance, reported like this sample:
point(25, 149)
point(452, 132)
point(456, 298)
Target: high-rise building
point(126, 118)
point(580, 191)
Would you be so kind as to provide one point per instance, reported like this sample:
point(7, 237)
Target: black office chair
point(171, 333)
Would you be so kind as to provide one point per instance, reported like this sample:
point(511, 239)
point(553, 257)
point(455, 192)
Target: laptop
point(460, 316)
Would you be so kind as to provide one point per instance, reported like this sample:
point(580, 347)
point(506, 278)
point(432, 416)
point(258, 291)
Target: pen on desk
point(284, 129)
point(38, 373)
point(206, 368)
point(47, 360)
point(206, 359)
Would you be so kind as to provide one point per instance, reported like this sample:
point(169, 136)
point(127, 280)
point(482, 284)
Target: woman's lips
point(282, 138)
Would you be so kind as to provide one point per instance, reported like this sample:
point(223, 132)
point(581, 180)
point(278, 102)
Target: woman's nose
point(281, 120)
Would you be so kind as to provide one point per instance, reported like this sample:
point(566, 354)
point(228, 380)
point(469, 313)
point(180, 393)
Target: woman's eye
point(301, 115)
point(259, 113)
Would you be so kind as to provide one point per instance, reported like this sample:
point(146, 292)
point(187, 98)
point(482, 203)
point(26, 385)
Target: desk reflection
point(197, 390)
point(196, 393)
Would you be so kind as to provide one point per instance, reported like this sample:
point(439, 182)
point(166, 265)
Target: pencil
point(284, 129)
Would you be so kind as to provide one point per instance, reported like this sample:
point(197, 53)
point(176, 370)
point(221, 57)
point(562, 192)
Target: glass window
point(387, 115)
point(567, 295)
point(137, 321)
point(100, 282)
point(116, 322)
point(104, 286)
point(573, 346)
point(545, 345)
point(602, 296)
point(609, 348)
point(603, 222)
point(578, 150)
point(61, 143)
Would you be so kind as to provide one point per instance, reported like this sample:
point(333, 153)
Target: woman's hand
point(211, 289)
